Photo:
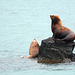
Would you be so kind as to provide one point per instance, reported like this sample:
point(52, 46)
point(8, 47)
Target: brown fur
point(59, 31)
point(34, 49)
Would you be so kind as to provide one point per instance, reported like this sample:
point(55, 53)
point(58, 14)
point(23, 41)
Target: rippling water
point(23, 20)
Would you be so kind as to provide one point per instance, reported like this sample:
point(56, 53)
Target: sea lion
point(34, 49)
point(59, 31)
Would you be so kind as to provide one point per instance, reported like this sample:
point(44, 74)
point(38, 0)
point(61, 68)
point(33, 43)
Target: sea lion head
point(34, 40)
point(34, 43)
point(55, 19)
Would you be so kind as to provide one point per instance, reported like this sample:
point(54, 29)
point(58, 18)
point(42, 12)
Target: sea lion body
point(34, 49)
point(59, 31)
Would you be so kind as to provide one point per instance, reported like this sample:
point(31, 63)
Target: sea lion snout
point(51, 16)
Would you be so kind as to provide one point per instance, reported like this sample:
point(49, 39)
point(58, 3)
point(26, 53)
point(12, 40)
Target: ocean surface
point(23, 20)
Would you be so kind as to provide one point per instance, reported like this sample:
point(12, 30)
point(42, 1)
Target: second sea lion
point(34, 49)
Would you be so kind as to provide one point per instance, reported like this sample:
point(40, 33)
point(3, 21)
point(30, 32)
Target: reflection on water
point(23, 20)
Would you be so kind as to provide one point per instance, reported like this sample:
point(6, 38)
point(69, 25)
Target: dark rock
point(73, 57)
point(66, 60)
point(52, 51)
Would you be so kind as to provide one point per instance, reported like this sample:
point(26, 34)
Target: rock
point(52, 51)
point(22, 57)
point(66, 60)
point(73, 57)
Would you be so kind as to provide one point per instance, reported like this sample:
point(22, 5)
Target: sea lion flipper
point(69, 37)
point(30, 56)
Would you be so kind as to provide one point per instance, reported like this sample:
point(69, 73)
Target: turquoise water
point(23, 20)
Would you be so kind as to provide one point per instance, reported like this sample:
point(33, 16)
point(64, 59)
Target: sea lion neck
point(56, 21)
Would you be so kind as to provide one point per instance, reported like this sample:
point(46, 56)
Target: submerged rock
point(58, 51)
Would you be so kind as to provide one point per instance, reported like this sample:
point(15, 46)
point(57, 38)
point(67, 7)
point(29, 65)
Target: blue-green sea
point(23, 20)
